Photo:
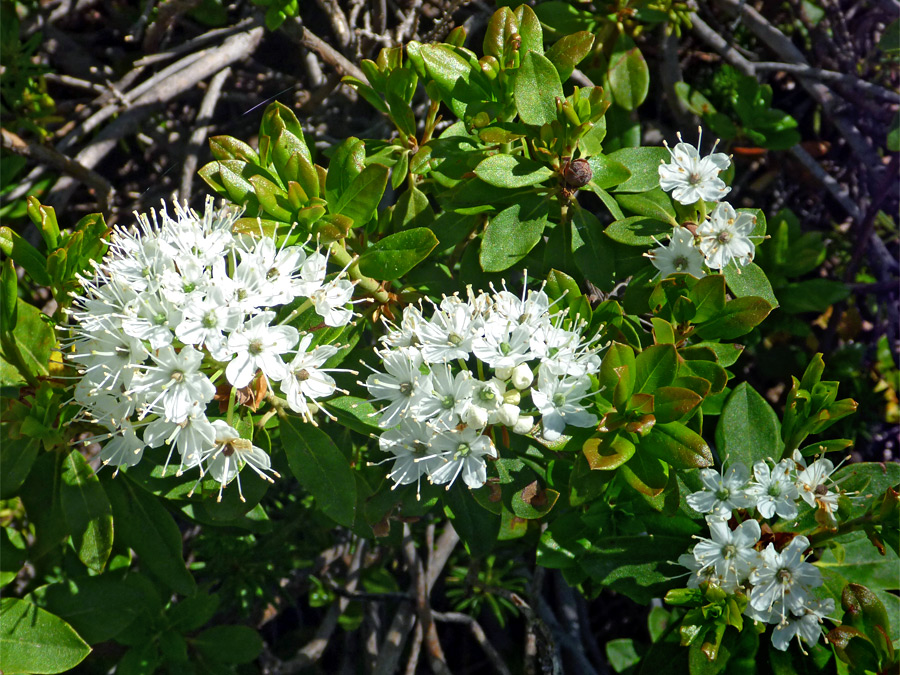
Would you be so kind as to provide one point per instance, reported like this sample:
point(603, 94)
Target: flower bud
point(503, 372)
point(512, 396)
point(476, 417)
point(524, 424)
point(522, 377)
point(508, 414)
point(578, 173)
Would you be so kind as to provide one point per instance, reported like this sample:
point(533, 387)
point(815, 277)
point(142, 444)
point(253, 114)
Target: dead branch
point(201, 130)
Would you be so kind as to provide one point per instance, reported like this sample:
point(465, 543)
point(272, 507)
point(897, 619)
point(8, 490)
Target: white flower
point(279, 267)
point(722, 494)
point(702, 572)
point(206, 321)
point(503, 344)
point(402, 385)
point(306, 379)
point(193, 437)
point(311, 275)
point(155, 320)
point(106, 357)
point(559, 400)
point(230, 454)
point(331, 302)
point(730, 552)
point(449, 334)
point(806, 623)
point(725, 236)
point(690, 177)
point(773, 489)
point(410, 443)
point(448, 399)
point(123, 448)
point(680, 255)
point(257, 345)
point(406, 334)
point(783, 579)
point(529, 309)
point(175, 384)
point(462, 452)
point(812, 483)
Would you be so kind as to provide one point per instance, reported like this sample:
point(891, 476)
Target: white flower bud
point(524, 424)
point(508, 414)
point(522, 377)
point(503, 373)
point(476, 417)
point(512, 396)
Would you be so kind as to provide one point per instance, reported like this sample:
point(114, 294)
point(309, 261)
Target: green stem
point(14, 355)
point(343, 258)
point(297, 312)
point(230, 415)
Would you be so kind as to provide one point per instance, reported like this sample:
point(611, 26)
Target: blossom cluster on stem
point(723, 236)
point(180, 309)
point(469, 365)
point(779, 584)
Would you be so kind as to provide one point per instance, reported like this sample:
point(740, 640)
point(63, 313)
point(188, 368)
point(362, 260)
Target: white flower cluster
point(497, 359)
point(778, 584)
point(175, 304)
point(724, 236)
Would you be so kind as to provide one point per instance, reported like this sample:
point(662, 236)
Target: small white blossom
point(725, 236)
point(805, 624)
point(259, 346)
point(680, 255)
point(230, 454)
point(773, 490)
point(462, 453)
point(730, 552)
point(559, 400)
point(722, 493)
point(690, 177)
point(783, 581)
point(306, 379)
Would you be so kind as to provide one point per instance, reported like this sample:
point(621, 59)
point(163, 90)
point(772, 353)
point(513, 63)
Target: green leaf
point(362, 196)
point(646, 474)
point(748, 430)
point(594, 255)
point(529, 30)
point(98, 607)
point(25, 255)
point(629, 77)
point(397, 254)
point(655, 367)
point(35, 641)
point(502, 26)
point(321, 468)
point(607, 451)
point(347, 162)
point(750, 280)
point(229, 644)
point(671, 404)
point(812, 295)
point(412, 210)
point(511, 171)
point(537, 86)
point(643, 163)
point(654, 203)
point(678, 446)
point(621, 654)
point(9, 296)
point(34, 337)
point(567, 52)
point(40, 495)
point(640, 567)
point(738, 317)
point(477, 527)
point(606, 172)
point(16, 461)
point(12, 555)
point(88, 512)
point(638, 231)
point(143, 524)
point(192, 613)
point(452, 74)
point(708, 296)
point(533, 501)
point(354, 413)
point(507, 239)
point(863, 564)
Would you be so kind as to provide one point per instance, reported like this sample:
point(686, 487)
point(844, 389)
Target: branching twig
point(47, 155)
point(295, 29)
point(849, 81)
point(479, 635)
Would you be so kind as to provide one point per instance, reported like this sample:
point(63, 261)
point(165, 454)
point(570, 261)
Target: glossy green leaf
point(16, 461)
point(593, 253)
point(656, 366)
point(607, 451)
point(646, 474)
point(638, 231)
point(507, 239)
point(750, 280)
point(34, 337)
point(748, 430)
point(412, 210)
point(477, 528)
point(35, 641)
point(88, 512)
point(671, 404)
point(537, 86)
point(654, 204)
point(567, 52)
point(143, 524)
point(511, 171)
point(347, 162)
point(678, 446)
point(362, 196)
point(738, 317)
point(606, 172)
point(356, 413)
point(629, 76)
point(25, 255)
point(321, 468)
point(708, 296)
point(643, 163)
point(397, 254)
point(9, 296)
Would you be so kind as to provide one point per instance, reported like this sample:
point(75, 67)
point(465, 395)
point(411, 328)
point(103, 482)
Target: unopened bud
point(508, 414)
point(522, 377)
point(503, 373)
point(578, 173)
point(476, 417)
point(524, 424)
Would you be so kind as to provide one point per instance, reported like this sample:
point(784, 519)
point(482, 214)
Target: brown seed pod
point(577, 173)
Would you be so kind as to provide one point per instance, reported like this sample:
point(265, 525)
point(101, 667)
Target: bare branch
point(479, 635)
point(295, 29)
point(198, 136)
